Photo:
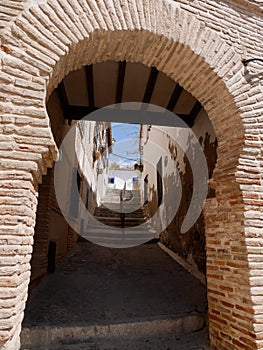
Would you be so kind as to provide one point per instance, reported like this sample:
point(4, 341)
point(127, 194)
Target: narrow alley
point(104, 298)
point(100, 99)
point(110, 286)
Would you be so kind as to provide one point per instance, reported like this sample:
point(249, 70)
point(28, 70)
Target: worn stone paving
point(195, 341)
point(97, 287)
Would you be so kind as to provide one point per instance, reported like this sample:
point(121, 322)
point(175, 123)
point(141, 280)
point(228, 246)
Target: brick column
point(17, 219)
point(229, 288)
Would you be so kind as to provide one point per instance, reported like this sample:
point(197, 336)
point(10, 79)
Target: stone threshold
point(177, 324)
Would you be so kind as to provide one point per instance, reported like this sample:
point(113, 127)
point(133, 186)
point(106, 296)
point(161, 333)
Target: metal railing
point(122, 213)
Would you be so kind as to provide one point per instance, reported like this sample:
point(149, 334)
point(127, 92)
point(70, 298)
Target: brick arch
point(40, 47)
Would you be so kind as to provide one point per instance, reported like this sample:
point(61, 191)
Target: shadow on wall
point(192, 244)
point(152, 206)
point(51, 226)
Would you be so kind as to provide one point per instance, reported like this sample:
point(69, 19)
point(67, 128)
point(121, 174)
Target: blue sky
point(126, 144)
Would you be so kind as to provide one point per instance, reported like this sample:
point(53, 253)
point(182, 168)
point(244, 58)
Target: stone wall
point(200, 44)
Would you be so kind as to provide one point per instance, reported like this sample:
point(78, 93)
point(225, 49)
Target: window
point(159, 174)
point(111, 180)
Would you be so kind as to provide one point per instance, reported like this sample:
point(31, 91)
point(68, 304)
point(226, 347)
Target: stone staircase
point(112, 195)
point(107, 227)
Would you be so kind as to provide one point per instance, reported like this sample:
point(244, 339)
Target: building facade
point(168, 181)
point(54, 235)
point(201, 44)
point(118, 178)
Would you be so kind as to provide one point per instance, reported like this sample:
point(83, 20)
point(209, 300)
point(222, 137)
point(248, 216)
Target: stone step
point(116, 230)
point(112, 239)
point(114, 199)
point(116, 211)
point(129, 210)
point(116, 222)
point(129, 333)
point(115, 237)
point(109, 195)
point(111, 224)
point(133, 200)
point(118, 241)
point(127, 193)
point(115, 225)
point(111, 227)
point(117, 218)
point(109, 235)
point(194, 341)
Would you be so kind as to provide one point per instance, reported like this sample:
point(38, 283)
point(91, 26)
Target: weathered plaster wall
point(50, 223)
point(190, 245)
point(91, 137)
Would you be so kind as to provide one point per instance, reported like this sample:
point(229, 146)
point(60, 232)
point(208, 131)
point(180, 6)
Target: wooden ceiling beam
point(195, 110)
point(90, 84)
point(150, 85)
point(174, 97)
point(79, 112)
point(120, 82)
point(63, 96)
point(189, 119)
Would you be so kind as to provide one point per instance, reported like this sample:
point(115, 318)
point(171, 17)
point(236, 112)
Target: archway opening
point(177, 41)
point(88, 89)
